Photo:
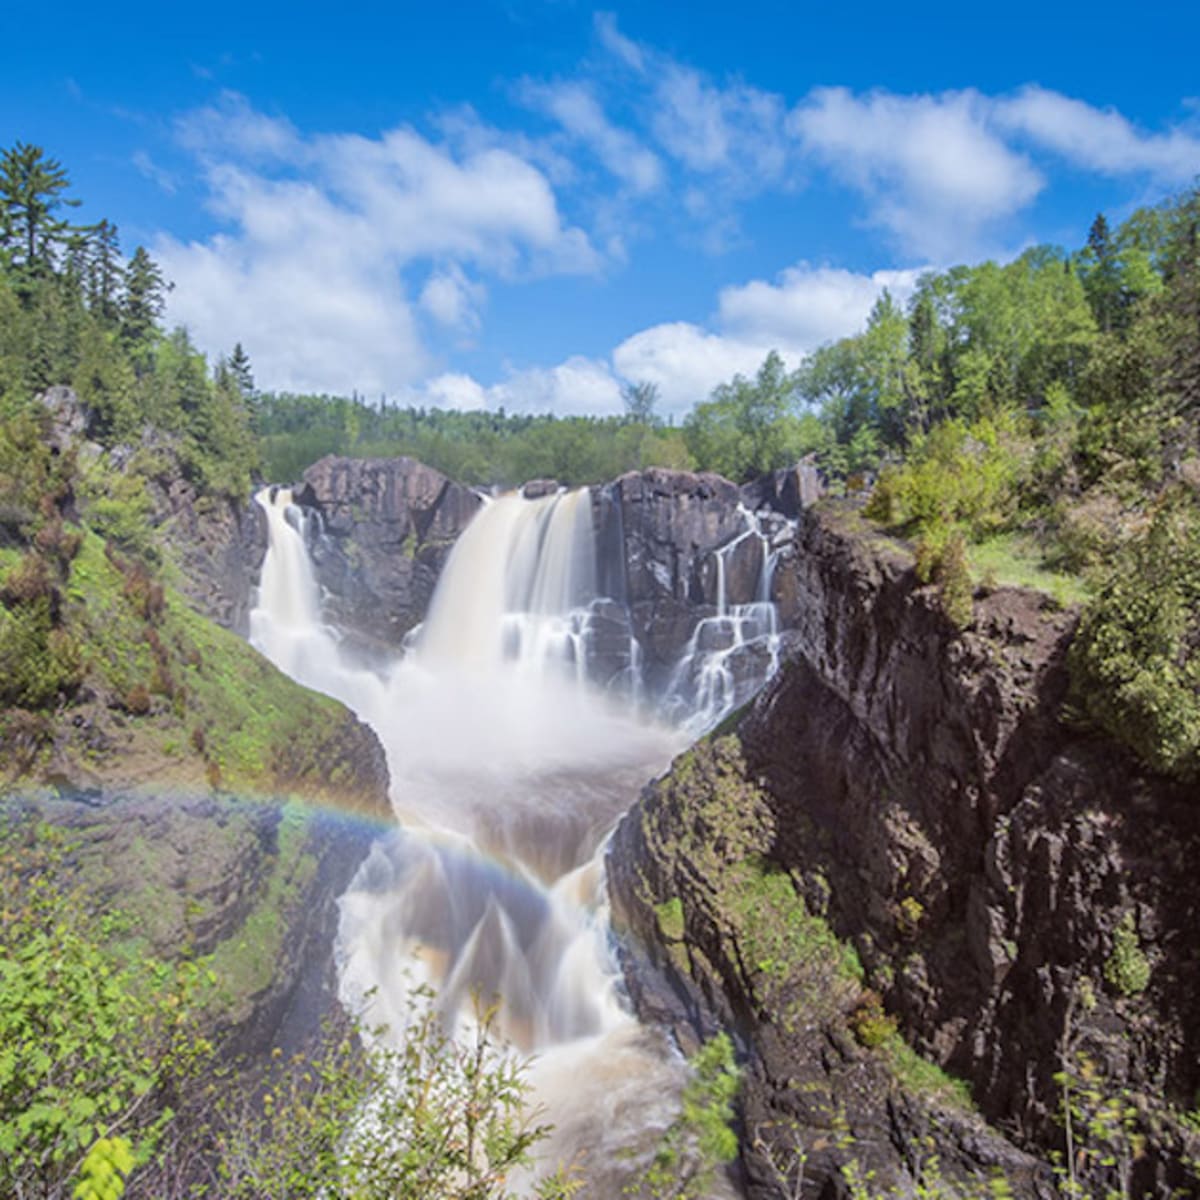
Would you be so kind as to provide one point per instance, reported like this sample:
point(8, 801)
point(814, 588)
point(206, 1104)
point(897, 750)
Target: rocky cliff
point(1018, 896)
point(386, 528)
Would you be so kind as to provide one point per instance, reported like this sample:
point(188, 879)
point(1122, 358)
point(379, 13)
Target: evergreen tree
point(31, 191)
point(1101, 272)
point(105, 271)
point(239, 368)
point(144, 299)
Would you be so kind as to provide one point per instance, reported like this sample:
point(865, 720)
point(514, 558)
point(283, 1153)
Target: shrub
point(92, 1042)
point(1135, 663)
point(1127, 968)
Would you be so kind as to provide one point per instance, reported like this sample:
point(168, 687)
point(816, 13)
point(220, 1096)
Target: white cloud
point(804, 308)
point(308, 324)
point(808, 306)
point(931, 169)
point(735, 129)
point(576, 109)
point(630, 53)
point(577, 387)
point(452, 299)
point(323, 231)
point(450, 390)
point(685, 361)
point(1099, 139)
point(730, 133)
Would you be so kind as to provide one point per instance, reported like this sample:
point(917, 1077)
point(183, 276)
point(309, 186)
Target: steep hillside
point(906, 842)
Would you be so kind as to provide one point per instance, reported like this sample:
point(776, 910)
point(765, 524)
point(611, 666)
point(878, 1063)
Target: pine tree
point(143, 301)
point(1101, 273)
point(239, 368)
point(105, 271)
point(31, 191)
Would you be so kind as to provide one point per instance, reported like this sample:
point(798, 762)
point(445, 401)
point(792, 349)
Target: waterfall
point(732, 653)
point(509, 769)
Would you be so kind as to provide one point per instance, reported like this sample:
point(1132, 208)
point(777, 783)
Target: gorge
point(914, 788)
point(866, 832)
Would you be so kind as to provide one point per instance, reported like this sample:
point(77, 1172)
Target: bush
point(92, 1043)
point(1135, 663)
point(957, 474)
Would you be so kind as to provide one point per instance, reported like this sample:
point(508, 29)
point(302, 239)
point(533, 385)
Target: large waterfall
point(509, 768)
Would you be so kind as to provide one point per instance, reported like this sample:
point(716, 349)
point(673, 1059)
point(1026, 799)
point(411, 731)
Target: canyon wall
point(1019, 895)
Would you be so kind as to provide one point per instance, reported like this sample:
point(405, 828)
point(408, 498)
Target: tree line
point(75, 311)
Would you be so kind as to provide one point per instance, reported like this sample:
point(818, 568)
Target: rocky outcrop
point(386, 528)
point(217, 544)
point(254, 885)
point(1019, 893)
point(659, 533)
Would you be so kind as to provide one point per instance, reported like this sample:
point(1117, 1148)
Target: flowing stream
point(509, 768)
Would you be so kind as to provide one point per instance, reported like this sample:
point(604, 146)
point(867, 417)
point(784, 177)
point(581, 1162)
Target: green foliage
point(701, 1138)
point(1102, 1131)
point(1127, 969)
point(90, 1043)
point(437, 1116)
point(1134, 663)
point(103, 1173)
point(747, 427)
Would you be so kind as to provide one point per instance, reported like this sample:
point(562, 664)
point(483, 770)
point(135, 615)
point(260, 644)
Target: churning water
point(509, 767)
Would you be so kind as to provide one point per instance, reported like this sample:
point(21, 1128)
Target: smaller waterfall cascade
point(733, 652)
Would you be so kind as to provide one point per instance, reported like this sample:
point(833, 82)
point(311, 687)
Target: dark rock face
point(787, 491)
point(386, 529)
point(982, 857)
point(217, 544)
point(658, 532)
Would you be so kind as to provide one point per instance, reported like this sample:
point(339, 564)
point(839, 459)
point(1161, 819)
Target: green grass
point(246, 963)
point(919, 1075)
point(1017, 560)
point(670, 919)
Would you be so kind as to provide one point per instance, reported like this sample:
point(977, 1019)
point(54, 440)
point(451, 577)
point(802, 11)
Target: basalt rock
point(1020, 894)
point(386, 528)
point(658, 532)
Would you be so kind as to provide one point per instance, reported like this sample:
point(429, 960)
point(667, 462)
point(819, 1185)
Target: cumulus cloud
point(685, 362)
point(579, 386)
point(1099, 139)
point(575, 107)
point(452, 299)
point(803, 308)
point(807, 306)
point(324, 230)
point(932, 170)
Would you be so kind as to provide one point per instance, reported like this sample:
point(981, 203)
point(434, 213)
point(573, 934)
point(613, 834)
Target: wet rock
point(385, 531)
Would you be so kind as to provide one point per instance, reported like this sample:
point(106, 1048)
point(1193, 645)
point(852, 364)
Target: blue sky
point(529, 203)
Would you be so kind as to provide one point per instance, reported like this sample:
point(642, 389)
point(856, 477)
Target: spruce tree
point(31, 191)
point(143, 302)
point(239, 368)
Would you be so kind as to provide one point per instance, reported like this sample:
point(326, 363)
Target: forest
point(1033, 422)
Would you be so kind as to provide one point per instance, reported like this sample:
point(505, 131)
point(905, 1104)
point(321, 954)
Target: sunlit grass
point(1017, 559)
